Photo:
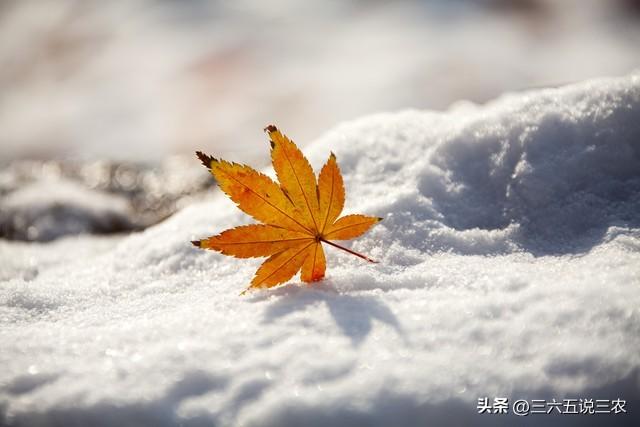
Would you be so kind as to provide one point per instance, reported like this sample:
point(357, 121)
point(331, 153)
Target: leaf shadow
point(353, 314)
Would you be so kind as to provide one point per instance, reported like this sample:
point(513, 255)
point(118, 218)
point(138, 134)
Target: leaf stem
point(349, 250)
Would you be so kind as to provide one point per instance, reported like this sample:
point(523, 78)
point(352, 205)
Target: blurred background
point(103, 103)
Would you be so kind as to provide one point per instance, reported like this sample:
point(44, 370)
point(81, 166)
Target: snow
point(48, 209)
point(509, 266)
point(46, 200)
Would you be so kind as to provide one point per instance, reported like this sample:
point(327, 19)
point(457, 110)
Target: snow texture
point(509, 266)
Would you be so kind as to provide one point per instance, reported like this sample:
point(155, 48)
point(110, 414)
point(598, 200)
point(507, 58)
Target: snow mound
point(549, 172)
point(509, 267)
point(46, 210)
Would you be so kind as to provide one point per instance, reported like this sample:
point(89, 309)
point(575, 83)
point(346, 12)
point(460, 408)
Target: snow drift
point(510, 256)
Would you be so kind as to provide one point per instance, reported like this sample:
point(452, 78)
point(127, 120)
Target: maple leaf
point(297, 215)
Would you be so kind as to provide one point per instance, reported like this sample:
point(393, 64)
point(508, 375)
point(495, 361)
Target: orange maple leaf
point(297, 216)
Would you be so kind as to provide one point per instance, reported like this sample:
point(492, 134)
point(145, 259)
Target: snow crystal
point(509, 259)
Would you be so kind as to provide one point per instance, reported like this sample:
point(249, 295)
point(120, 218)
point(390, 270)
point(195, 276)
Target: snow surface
point(509, 266)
